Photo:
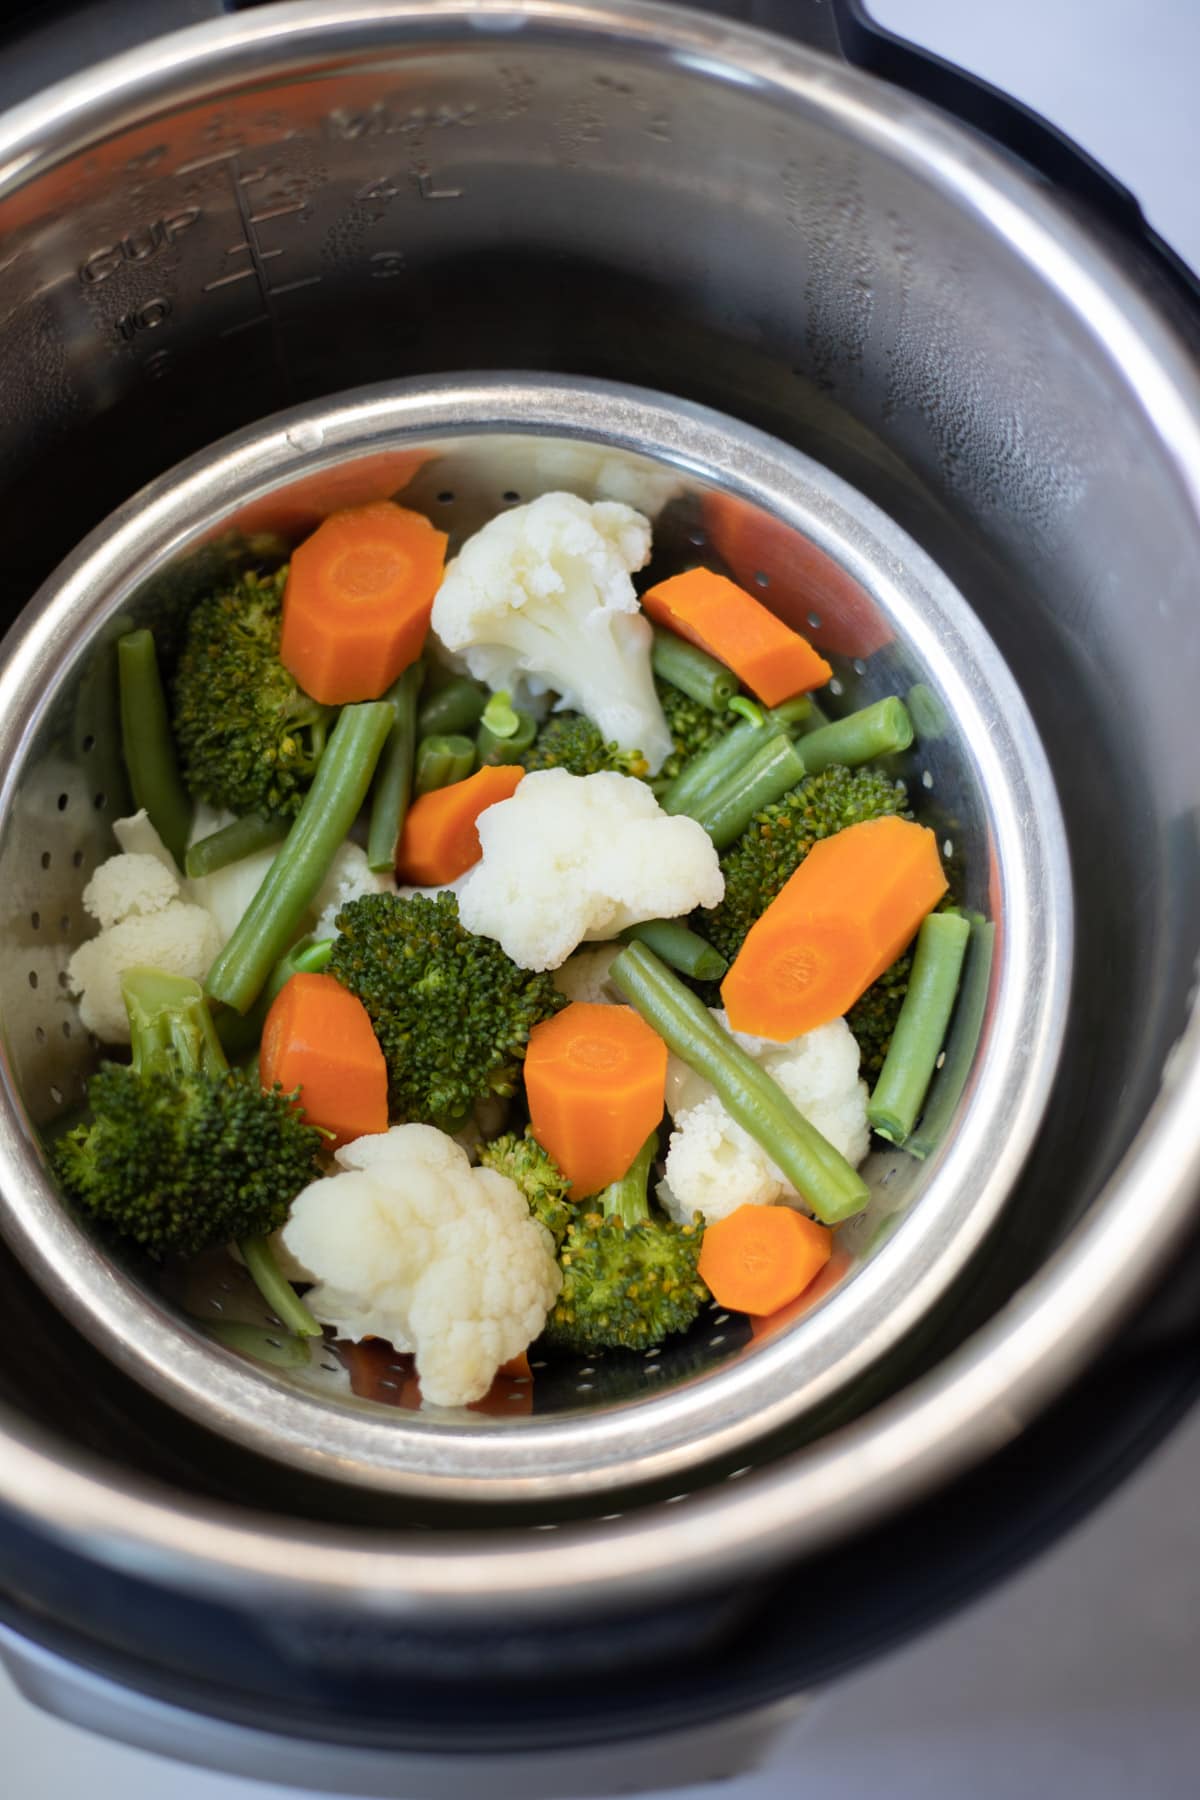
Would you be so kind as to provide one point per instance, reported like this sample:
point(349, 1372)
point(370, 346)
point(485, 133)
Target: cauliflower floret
point(570, 857)
point(541, 600)
point(348, 879)
point(584, 976)
point(714, 1166)
point(128, 885)
point(138, 837)
point(408, 1242)
point(180, 939)
point(227, 893)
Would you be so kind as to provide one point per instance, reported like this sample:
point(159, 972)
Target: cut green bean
point(950, 1081)
point(508, 746)
point(921, 1027)
point(240, 1032)
point(458, 706)
point(441, 761)
point(148, 746)
point(878, 730)
point(330, 808)
point(819, 1173)
point(500, 717)
point(749, 709)
point(706, 773)
point(679, 946)
point(692, 670)
point(767, 776)
point(282, 1298)
point(233, 842)
point(392, 788)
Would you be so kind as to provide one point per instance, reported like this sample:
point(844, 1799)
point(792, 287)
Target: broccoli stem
point(767, 776)
point(441, 761)
point(148, 745)
point(280, 1295)
point(821, 1174)
point(330, 807)
point(507, 747)
point(946, 1088)
point(455, 707)
point(394, 776)
point(627, 1198)
point(679, 946)
point(233, 842)
point(878, 730)
point(691, 670)
point(240, 1032)
point(706, 773)
point(921, 1027)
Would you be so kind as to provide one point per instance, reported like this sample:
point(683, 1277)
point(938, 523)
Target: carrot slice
point(318, 1037)
point(843, 918)
point(713, 612)
point(595, 1078)
point(760, 1258)
point(440, 839)
point(357, 602)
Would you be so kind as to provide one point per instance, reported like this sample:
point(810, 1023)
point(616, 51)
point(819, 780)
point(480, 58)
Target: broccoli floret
point(778, 839)
point(872, 1018)
point(537, 1175)
point(693, 727)
point(182, 1152)
point(451, 1011)
point(571, 742)
point(248, 737)
point(629, 1280)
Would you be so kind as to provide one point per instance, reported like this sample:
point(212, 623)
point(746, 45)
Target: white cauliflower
point(144, 921)
point(541, 600)
point(409, 1243)
point(229, 892)
point(714, 1166)
point(348, 879)
point(584, 976)
point(570, 857)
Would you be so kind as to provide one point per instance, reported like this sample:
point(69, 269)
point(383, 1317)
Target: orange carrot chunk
point(317, 1037)
point(357, 602)
point(595, 1078)
point(760, 1258)
point(852, 906)
point(440, 839)
point(774, 661)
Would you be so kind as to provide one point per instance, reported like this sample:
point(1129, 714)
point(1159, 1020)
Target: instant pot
point(781, 213)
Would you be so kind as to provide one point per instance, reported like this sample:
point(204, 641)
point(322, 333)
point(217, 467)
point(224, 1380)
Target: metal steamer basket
point(829, 563)
point(953, 391)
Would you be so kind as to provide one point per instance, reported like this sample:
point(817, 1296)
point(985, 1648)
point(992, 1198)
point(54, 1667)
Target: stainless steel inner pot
point(279, 205)
point(459, 452)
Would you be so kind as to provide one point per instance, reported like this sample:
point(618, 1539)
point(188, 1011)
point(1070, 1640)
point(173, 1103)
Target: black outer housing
point(889, 1583)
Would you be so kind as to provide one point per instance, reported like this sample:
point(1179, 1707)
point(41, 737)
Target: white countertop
point(1082, 1676)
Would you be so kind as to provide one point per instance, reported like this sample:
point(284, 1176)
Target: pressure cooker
point(859, 279)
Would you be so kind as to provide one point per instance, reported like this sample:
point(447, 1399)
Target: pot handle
point(846, 28)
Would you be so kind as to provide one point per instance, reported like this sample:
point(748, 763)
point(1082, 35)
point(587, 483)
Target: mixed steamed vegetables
point(500, 952)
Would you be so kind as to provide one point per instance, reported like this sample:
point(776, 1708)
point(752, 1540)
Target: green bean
point(921, 1027)
point(878, 730)
point(818, 1172)
point(392, 788)
point(456, 707)
point(506, 747)
point(705, 773)
point(282, 1298)
point(147, 743)
point(949, 1082)
point(773, 769)
point(682, 948)
point(692, 670)
point(240, 1032)
point(233, 842)
point(330, 807)
point(441, 761)
point(749, 709)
